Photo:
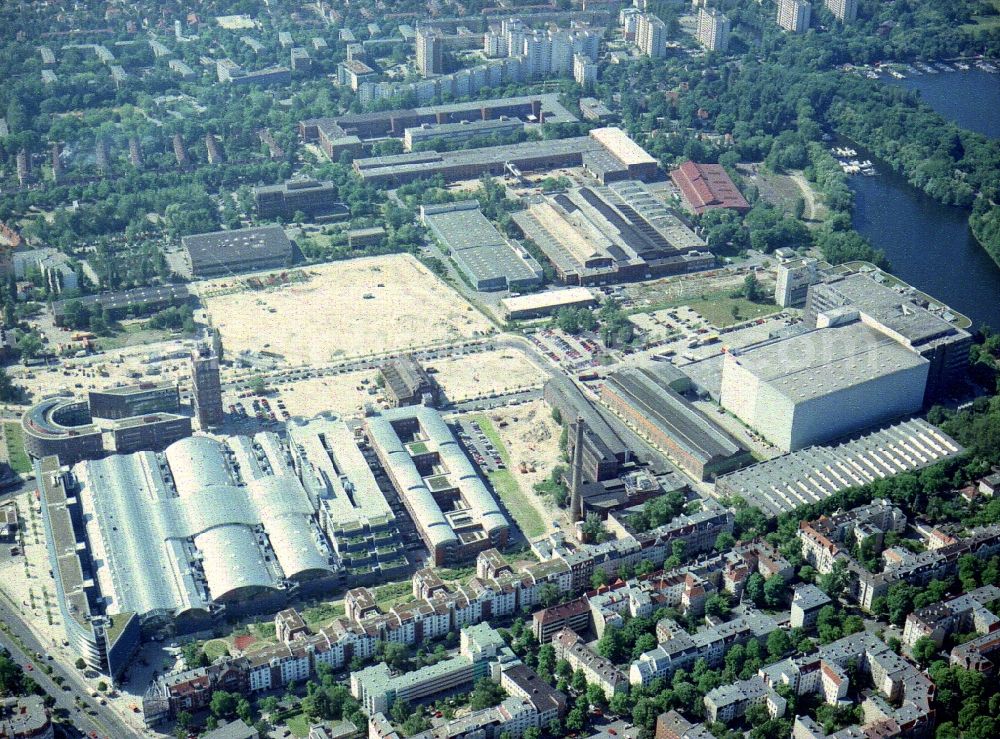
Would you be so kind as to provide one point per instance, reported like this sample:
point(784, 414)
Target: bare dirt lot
point(362, 307)
point(484, 373)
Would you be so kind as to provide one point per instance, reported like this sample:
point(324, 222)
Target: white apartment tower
point(584, 71)
point(430, 52)
point(845, 10)
point(713, 29)
point(537, 54)
point(651, 36)
point(794, 15)
point(494, 45)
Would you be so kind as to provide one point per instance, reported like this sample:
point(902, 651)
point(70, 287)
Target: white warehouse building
point(822, 384)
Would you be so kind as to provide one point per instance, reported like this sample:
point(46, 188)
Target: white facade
point(844, 10)
point(713, 29)
point(794, 15)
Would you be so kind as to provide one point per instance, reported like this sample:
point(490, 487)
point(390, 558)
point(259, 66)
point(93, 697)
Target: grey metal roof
point(157, 521)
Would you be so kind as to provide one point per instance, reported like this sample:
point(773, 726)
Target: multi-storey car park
point(455, 514)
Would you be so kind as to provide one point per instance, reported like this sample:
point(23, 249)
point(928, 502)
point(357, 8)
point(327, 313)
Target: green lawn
point(718, 311)
point(215, 648)
point(298, 724)
point(14, 440)
point(517, 503)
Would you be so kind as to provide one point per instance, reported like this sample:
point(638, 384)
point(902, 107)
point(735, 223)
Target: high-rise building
point(651, 35)
point(713, 29)
point(494, 45)
point(206, 386)
point(513, 31)
point(537, 54)
point(844, 10)
point(584, 71)
point(794, 15)
point(430, 52)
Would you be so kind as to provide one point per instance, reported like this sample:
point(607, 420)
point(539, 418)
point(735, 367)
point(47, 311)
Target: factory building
point(417, 137)
point(608, 154)
point(814, 474)
point(225, 253)
point(123, 303)
point(537, 305)
point(648, 400)
point(708, 186)
point(311, 197)
point(896, 310)
point(622, 232)
point(539, 108)
point(822, 384)
point(455, 514)
point(485, 257)
point(603, 450)
point(407, 383)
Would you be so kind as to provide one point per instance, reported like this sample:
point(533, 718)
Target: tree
point(486, 694)
point(724, 542)
point(258, 385)
point(835, 582)
point(184, 719)
point(579, 681)
point(751, 288)
point(924, 650)
point(223, 704)
point(778, 644)
point(775, 588)
point(717, 605)
point(80, 664)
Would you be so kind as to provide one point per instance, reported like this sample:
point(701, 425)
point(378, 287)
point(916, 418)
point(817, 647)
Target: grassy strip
point(517, 503)
point(530, 523)
point(14, 440)
point(719, 312)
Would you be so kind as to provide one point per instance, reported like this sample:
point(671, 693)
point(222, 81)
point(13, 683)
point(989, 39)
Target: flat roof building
point(138, 301)
point(917, 323)
point(814, 474)
point(621, 232)
point(488, 260)
point(822, 384)
point(135, 400)
point(455, 514)
point(645, 399)
point(241, 250)
point(311, 197)
point(708, 186)
point(426, 134)
point(536, 305)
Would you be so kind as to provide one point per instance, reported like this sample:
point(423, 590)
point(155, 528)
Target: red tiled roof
point(707, 186)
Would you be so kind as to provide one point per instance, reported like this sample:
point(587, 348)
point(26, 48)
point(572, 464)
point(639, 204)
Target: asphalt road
point(105, 724)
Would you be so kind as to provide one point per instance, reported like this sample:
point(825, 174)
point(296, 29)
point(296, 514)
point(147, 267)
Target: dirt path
point(813, 209)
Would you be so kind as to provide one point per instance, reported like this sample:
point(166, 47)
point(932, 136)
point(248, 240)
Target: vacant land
point(722, 310)
point(528, 440)
point(484, 373)
point(701, 287)
point(362, 307)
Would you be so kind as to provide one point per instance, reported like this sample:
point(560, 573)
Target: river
point(929, 244)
